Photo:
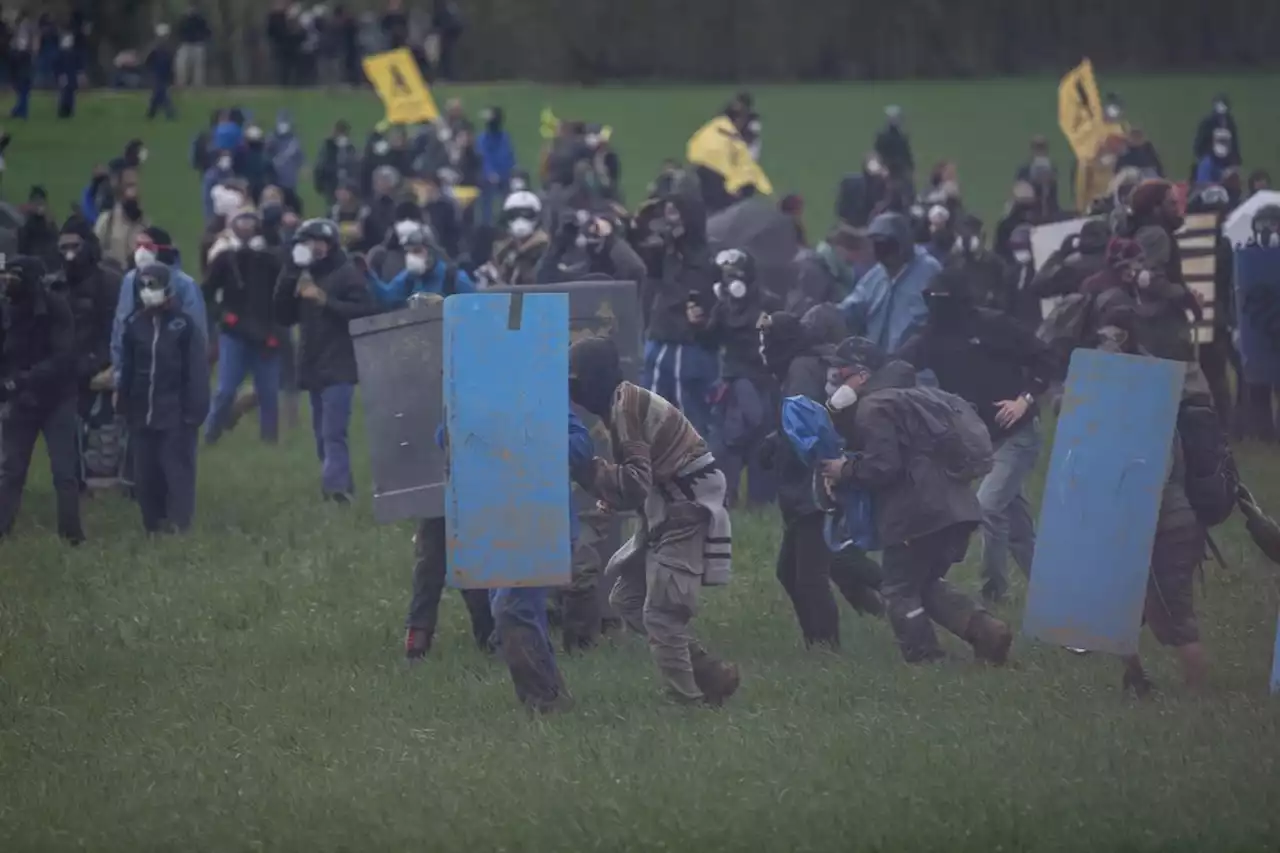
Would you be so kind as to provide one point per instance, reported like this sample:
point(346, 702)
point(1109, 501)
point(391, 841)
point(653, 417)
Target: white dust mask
point(152, 297)
point(843, 398)
point(1022, 256)
point(302, 255)
point(521, 228)
point(143, 257)
point(415, 263)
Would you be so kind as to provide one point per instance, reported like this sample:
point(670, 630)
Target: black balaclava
point(781, 340)
point(948, 300)
point(595, 372)
point(80, 263)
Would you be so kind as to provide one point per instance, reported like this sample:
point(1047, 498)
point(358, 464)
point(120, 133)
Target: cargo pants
point(917, 593)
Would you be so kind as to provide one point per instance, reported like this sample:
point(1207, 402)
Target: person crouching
point(164, 393)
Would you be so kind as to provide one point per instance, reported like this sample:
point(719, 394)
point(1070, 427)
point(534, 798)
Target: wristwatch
point(1030, 400)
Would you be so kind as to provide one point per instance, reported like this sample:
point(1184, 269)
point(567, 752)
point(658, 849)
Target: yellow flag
point(718, 146)
point(550, 125)
point(1080, 112)
point(403, 91)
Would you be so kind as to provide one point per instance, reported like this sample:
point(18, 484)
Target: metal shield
point(1101, 501)
point(506, 367)
point(1257, 280)
point(401, 381)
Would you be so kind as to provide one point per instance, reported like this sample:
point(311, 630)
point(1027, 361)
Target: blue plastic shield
point(1275, 664)
point(506, 395)
point(1257, 278)
point(1102, 500)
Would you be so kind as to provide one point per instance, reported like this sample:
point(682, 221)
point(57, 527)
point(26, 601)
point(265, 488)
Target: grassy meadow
point(243, 688)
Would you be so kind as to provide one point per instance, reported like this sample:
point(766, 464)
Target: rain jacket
point(164, 370)
point(892, 310)
point(686, 271)
point(285, 154)
point(185, 291)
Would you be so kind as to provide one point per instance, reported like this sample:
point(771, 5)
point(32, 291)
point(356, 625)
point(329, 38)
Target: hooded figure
point(155, 245)
point(661, 468)
point(37, 393)
point(828, 272)
point(38, 234)
point(1219, 118)
point(338, 162)
point(998, 364)
point(794, 351)
point(677, 366)
point(861, 196)
point(888, 302)
point(590, 247)
point(893, 146)
point(92, 292)
point(924, 515)
point(746, 399)
point(284, 153)
point(990, 279)
point(498, 161)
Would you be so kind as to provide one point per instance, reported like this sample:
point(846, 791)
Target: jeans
point(524, 642)
point(330, 417)
point(161, 102)
point(683, 374)
point(61, 429)
point(237, 359)
point(22, 105)
point(1007, 525)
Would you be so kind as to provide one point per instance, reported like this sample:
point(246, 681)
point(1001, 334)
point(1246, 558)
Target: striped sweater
point(652, 441)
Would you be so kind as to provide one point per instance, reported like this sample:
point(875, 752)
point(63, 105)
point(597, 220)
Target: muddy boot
point(990, 638)
point(1135, 678)
point(717, 679)
point(417, 642)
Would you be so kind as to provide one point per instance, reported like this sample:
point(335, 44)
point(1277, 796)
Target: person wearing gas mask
point(1040, 172)
point(1211, 167)
point(662, 469)
point(989, 277)
point(589, 245)
point(924, 508)
point(828, 272)
point(794, 350)
point(386, 258)
point(37, 393)
point(893, 147)
point(861, 196)
point(164, 393)
point(154, 246)
point(888, 302)
point(1220, 118)
point(676, 366)
point(321, 291)
point(119, 228)
point(425, 271)
point(271, 211)
point(338, 162)
point(498, 161)
point(38, 234)
point(1000, 366)
point(745, 404)
point(220, 173)
point(1021, 210)
point(517, 254)
point(240, 284)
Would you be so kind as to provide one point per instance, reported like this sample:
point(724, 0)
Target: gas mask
point(257, 243)
point(735, 289)
point(970, 245)
point(521, 227)
point(1221, 150)
point(1143, 279)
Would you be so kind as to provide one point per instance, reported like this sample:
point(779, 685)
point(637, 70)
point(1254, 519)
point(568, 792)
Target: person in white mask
point(425, 272)
point(924, 506)
point(387, 258)
point(517, 254)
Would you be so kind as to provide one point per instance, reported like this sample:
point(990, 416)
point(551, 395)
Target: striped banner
point(1198, 246)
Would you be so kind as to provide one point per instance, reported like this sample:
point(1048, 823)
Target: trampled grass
point(242, 688)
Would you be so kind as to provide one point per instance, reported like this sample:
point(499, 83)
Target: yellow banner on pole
point(1080, 112)
point(399, 84)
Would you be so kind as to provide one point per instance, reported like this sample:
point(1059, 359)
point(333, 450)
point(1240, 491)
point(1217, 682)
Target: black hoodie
point(325, 354)
point(733, 328)
point(595, 372)
point(687, 272)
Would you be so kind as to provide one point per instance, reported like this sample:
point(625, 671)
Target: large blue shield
point(506, 390)
point(1257, 278)
point(1275, 664)
point(1101, 501)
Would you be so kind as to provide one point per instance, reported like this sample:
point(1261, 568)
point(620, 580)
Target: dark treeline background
point(763, 40)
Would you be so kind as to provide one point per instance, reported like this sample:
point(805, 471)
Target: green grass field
point(242, 688)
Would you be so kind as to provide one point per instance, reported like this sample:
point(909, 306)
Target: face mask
point(68, 42)
point(342, 141)
point(1220, 108)
point(143, 257)
point(152, 297)
point(405, 228)
point(1040, 163)
point(1112, 112)
point(282, 129)
point(1108, 161)
point(224, 163)
point(842, 398)
point(518, 185)
point(234, 242)
point(1220, 150)
point(1022, 256)
point(415, 263)
point(302, 255)
point(71, 256)
point(381, 147)
point(142, 155)
point(257, 242)
point(1144, 278)
point(520, 228)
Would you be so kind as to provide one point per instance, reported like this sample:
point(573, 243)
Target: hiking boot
point(1137, 681)
point(990, 638)
point(417, 642)
point(717, 679)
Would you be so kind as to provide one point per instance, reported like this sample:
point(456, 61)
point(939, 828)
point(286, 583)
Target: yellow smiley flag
point(404, 93)
point(1080, 112)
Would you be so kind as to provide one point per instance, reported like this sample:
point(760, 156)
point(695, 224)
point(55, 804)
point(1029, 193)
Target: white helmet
point(522, 200)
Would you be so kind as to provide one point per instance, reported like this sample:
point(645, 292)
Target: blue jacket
point(285, 153)
point(227, 136)
point(892, 311)
point(190, 302)
point(88, 203)
point(497, 155)
point(1209, 170)
point(582, 449)
point(395, 293)
point(164, 370)
point(212, 177)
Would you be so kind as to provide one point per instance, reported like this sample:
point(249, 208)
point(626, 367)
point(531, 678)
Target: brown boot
point(717, 679)
point(990, 638)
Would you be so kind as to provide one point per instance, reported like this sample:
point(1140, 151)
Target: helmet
point(522, 203)
point(323, 230)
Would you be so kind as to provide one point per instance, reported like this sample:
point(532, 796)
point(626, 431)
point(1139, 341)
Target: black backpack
point(1212, 480)
point(960, 443)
